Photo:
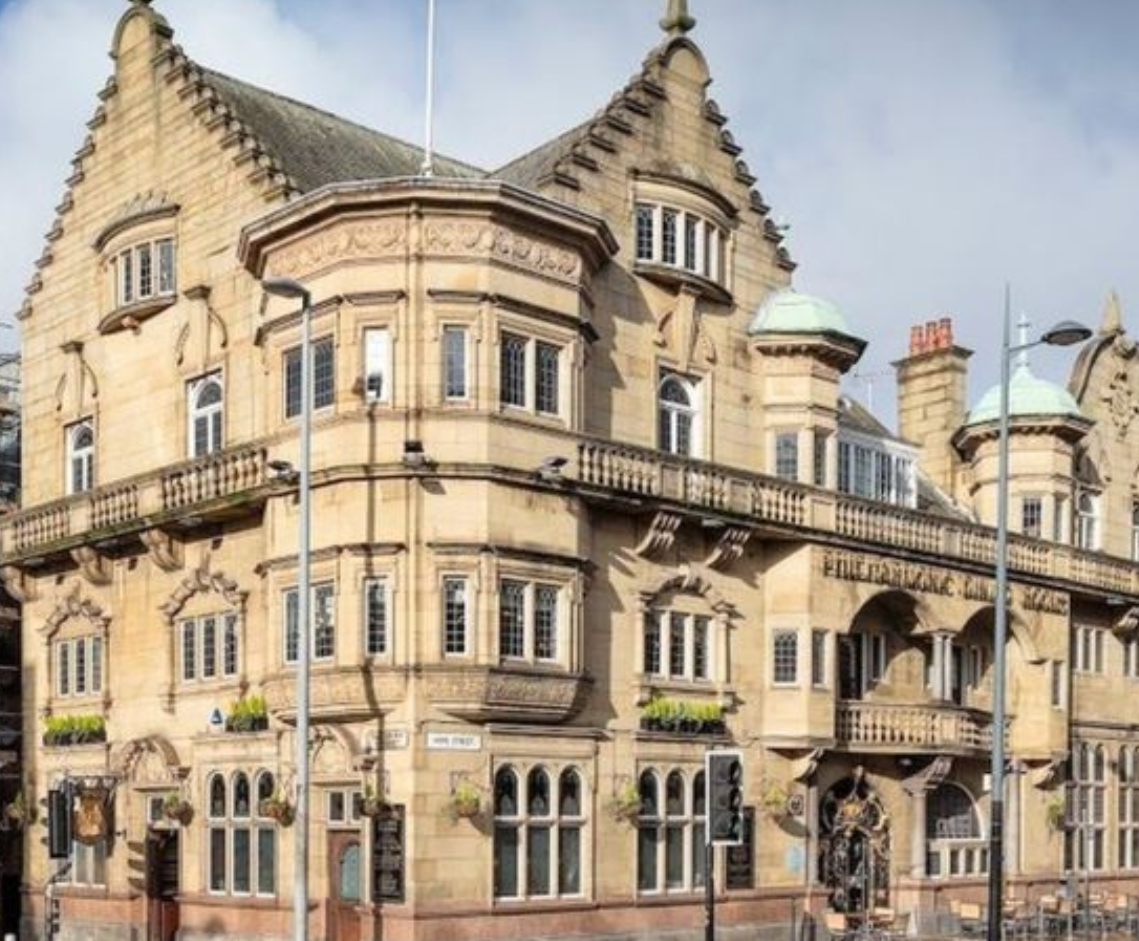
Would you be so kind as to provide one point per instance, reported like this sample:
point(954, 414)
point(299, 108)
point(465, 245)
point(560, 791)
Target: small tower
point(1045, 425)
point(805, 347)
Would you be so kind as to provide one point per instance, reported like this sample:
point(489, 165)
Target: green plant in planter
point(661, 714)
point(625, 805)
point(74, 730)
point(465, 801)
point(250, 713)
point(177, 809)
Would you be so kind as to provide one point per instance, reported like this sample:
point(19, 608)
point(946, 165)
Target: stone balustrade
point(893, 727)
point(133, 504)
point(623, 470)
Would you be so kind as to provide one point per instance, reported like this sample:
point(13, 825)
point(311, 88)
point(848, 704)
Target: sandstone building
point(588, 500)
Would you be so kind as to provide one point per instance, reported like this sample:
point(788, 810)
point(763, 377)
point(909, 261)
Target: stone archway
point(854, 846)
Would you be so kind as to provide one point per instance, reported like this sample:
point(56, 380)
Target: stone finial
point(1112, 321)
point(676, 20)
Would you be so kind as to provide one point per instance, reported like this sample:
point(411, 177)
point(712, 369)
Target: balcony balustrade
point(894, 727)
point(782, 506)
point(211, 486)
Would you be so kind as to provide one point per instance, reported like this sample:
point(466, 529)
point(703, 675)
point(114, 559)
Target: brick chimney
point(932, 399)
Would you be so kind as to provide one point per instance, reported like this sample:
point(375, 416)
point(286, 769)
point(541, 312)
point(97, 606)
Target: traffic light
point(724, 772)
point(59, 823)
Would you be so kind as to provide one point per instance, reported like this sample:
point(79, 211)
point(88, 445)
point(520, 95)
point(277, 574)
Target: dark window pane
point(674, 858)
point(323, 374)
point(545, 622)
point(513, 370)
point(569, 861)
point(511, 619)
point(506, 793)
point(546, 394)
point(266, 861)
point(505, 862)
point(241, 860)
point(569, 796)
point(646, 858)
point(538, 861)
point(217, 859)
point(538, 793)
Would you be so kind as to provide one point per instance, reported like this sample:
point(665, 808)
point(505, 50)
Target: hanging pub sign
point(90, 820)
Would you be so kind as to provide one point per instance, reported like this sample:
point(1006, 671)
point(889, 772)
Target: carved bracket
point(930, 776)
point(1045, 776)
point(660, 536)
point(94, 566)
point(165, 551)
point(1127, 622)
point(19, 584)
point(729, 548)
point(803, 768)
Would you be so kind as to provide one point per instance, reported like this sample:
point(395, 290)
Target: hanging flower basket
point(774, 798)
point(372, 804)
point(465, 801)
point(625, 806)
point(18, 814)
point(177, 809)
point(277, 808)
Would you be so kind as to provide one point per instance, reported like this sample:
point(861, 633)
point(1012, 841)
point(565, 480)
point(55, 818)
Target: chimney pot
point(917, 340)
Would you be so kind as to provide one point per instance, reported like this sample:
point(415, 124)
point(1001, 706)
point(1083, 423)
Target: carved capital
point(94, 566)
point(660, 536)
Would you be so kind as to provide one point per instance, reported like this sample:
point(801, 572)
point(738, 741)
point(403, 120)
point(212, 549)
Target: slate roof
point(532, 168)
point(315, 147)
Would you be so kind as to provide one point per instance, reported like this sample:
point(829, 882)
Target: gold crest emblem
point(90, 823)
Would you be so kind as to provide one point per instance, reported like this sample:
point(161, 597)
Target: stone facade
point(525, 552)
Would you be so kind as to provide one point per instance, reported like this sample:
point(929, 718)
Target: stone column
point(1012, 819)
point(917, 832)
point(938, 688)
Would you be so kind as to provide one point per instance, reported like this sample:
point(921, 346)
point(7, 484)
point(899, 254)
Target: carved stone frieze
point(729, 548)
point(93, 565)
point(340, 693)
point(485, 240)
point(72, 605)
point(499, 693)
point(345, 242)
point(660, 536)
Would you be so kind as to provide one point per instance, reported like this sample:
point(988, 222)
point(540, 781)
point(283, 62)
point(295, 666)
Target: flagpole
point(428, 168)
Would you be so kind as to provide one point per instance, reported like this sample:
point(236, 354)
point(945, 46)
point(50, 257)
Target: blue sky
point(923, 151)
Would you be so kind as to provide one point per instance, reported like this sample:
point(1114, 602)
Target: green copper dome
point(791, 312)
point(1027, 395)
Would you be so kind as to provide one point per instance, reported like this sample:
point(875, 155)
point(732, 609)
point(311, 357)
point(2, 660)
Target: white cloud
point(923, 152)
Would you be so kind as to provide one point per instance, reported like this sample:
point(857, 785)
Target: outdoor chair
point(888, 924)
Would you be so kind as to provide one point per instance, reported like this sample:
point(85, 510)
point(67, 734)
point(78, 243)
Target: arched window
point(242, 838)
point(1129, 807)
point(537, 853)
point(670, 845)
point(676, 414)
point(955, 845)
point(206, 409)
point(80, 457)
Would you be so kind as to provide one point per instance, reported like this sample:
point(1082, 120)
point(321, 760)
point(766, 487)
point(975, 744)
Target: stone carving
point(345, 242)
point(497, 242)
point(930, 776)
point(93, 565)
point(19, 584)
point(484, 693)
point(1121, 402)
point(165, 551)
point(72, 606)
point(686, 325)
point(688, 579)
point(150, 760)
point(341, 693)
point(804, 767)
point(660, 536)
point(729, 548)
point(202, 579)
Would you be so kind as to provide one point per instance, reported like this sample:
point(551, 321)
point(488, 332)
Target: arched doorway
point(854, 846)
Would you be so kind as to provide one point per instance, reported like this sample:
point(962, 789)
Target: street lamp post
point(1065, 333)
point(290, 288)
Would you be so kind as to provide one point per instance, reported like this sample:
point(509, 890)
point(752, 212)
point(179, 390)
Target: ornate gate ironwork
point(854, 846)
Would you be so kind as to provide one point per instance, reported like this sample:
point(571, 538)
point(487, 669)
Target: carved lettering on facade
point(927, 579)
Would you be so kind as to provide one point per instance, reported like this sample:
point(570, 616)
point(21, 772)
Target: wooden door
point(162, 886)
point(345, 885)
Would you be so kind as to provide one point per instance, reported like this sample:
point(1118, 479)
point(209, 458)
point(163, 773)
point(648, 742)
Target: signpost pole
point(709, 888)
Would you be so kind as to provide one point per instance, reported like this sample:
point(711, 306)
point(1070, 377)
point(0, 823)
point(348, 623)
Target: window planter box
point(70, 738)
point(684, 725)
point(247, 725)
